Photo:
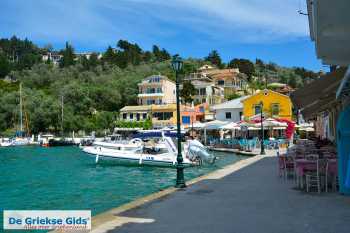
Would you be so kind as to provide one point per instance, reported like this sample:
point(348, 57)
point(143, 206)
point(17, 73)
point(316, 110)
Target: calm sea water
point(64, 178)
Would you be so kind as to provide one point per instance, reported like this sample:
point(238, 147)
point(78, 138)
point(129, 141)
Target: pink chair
point(285, 165)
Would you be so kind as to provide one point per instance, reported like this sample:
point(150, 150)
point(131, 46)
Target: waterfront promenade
point(249, 200)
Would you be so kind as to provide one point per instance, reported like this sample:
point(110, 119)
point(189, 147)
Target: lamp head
point(177, 63)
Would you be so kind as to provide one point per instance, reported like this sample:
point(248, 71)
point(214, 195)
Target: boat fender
point(140, 161)
point(97, 157)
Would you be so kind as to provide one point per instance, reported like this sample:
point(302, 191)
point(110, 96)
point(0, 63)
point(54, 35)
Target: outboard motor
point(197, 152)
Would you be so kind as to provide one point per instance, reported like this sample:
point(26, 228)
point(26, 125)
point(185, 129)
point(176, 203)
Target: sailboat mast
point(20, 108)
point(62, 115)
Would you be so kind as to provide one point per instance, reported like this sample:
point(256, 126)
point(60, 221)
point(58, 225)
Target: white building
point(54, 57)
point(229, 111)
point(207, 92)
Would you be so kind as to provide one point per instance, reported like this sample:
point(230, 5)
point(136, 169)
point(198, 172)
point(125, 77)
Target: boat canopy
point(155, 134)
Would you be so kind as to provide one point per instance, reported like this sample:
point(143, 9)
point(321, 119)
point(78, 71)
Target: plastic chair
point(313, 178)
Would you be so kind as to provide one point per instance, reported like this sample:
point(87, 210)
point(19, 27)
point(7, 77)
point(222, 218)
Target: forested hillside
point(93, 90)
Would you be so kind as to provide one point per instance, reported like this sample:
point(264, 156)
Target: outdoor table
point(303, 165)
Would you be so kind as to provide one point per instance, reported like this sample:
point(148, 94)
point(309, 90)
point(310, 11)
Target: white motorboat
point(18, 141)
point(5, 142)
point(137, 153)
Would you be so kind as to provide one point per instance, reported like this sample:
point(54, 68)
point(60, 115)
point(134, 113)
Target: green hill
point(95, 89)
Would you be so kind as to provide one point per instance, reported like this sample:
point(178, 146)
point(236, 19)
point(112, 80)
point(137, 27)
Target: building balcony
point(148, 84)
point(150, 95)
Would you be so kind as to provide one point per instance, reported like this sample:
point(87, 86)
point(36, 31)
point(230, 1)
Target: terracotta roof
point(227, 73)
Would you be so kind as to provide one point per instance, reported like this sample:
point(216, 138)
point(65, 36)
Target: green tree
point(68, 56)
point(214, 58)
point(93, 60)
point(5, 66)
point(233, 96)
point(245, 66)
point(260, 63)
point(130, 53)
point(187, 92)
point(84, 62)
point(109, 56)
point(160, 54)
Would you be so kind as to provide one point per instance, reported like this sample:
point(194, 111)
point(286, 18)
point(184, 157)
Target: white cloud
point(146, 21)
point(247, 20)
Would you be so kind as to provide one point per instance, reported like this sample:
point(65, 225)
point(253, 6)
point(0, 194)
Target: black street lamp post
point(180, 179)
point(262, 147)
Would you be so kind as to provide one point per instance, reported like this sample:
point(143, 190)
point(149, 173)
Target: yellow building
point(163, 115)
point(274, 105)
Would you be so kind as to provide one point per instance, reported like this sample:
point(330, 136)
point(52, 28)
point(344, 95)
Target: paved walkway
point(251, 200)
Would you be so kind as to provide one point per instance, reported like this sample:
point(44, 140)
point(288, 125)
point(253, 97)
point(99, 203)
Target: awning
point(231, 126)
point(215, 124)
point(324, 86)
point(344, 88)
point(197, 125)
point(307, 129)
point(271, 123)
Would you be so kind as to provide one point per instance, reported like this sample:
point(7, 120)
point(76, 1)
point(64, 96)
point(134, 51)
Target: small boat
point(17, 141)
point(5, 142)
point(48, 140)
point(61, 142)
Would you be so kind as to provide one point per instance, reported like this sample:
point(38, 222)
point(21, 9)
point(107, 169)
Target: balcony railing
point(151, 94)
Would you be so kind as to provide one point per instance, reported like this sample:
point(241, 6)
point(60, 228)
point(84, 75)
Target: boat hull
point(131, 158)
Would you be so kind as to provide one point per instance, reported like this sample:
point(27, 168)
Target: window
point(240, 115)
point(151, 90)
point(150, 102)
point(159, 90)
point(186, 120)
point(125, 116)
point(144, 116)
point(257, 109)
point(131, 116)
point(154, 79)
point(221, 82)
point(202, 91)
point(228, 115)
point(137, 116)
point(275, 109)
point(163, 115)
point(168, 115)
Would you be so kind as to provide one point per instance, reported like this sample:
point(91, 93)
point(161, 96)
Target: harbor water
point(64, 178)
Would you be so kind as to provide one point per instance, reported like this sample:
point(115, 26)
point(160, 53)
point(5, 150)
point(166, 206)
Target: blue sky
point(271, 29)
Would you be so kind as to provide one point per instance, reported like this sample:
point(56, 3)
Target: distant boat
point(19, 139)
point(48, 140)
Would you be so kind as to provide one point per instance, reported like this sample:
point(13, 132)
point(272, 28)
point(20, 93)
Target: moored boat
point(139, 152)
